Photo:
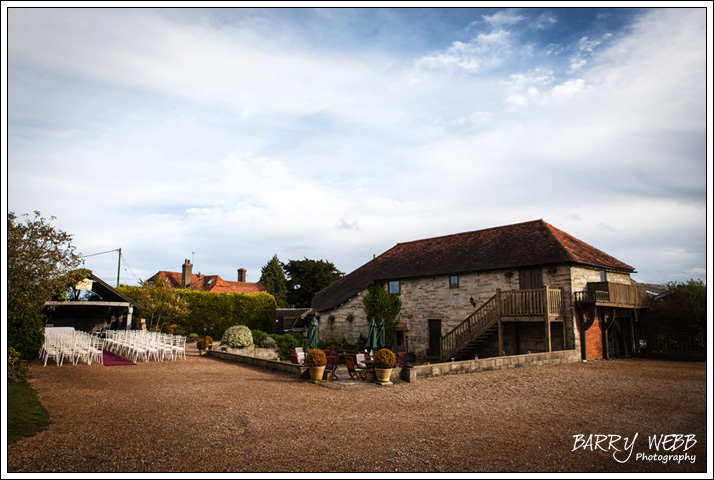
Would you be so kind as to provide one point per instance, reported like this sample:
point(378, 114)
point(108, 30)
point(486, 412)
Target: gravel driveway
point(206, 415)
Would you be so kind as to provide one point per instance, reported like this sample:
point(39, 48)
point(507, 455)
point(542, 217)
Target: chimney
point(186, 270)
point(241, 274)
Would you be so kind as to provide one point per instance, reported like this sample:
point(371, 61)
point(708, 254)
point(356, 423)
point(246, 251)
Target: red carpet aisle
point(111, 360)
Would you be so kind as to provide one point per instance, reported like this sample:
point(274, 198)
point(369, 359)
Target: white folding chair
point(179, 346)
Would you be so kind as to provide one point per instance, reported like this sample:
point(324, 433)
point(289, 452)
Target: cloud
point(239, 138)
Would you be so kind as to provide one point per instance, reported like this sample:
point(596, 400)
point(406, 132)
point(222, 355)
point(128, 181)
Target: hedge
point(256, 311)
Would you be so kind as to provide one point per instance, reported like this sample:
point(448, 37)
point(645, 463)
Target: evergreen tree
point(307, 277)
point(381, 305)
point(272, 276)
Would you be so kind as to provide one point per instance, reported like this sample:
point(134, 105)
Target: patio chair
point(360, 358)
point(332, 361)
point(401, 359)
point(356, 373)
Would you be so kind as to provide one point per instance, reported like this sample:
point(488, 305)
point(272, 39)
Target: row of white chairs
point(143, 345)
point(74, 346)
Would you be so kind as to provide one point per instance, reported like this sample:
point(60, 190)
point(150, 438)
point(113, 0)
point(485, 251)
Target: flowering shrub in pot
point(384, 362)
point(385, 358)
point(316, 360)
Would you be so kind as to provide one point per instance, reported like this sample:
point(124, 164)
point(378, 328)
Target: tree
point(272, 276)
point(41, 264)
point(161, 305)
point(306, 278)
point(682, 312)
point(381, 305)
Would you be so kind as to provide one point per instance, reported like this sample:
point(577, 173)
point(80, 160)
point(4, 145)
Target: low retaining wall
point(420, 371)
point(493, 363)
point(276, 365)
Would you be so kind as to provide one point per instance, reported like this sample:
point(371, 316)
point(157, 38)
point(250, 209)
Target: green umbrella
point(380, 336)
point(312, 334)
point(372, 335)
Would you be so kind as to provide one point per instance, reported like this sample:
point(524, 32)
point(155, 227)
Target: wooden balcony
point(607, 294)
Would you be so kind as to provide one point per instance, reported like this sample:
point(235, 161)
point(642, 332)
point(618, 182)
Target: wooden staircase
point(465, 338)
point(462, 342)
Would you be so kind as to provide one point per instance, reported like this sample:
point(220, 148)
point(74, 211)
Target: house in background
point(100, 306)
point(521, 288)
point(208, 283)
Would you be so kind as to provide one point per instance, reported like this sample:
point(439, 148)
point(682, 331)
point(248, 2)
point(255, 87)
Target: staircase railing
point(508, 303)
point(474, 326)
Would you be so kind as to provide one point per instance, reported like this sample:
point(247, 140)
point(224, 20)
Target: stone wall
point(275, 365)
point(496, 363)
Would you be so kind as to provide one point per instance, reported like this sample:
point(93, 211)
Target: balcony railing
point(614, 294)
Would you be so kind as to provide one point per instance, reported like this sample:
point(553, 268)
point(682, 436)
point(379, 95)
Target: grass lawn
point(25, 415)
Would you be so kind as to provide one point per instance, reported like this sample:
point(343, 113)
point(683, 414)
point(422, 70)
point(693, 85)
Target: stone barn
point(509, 290)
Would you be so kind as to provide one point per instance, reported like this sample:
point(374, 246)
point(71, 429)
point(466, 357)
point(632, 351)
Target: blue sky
point(229, 135)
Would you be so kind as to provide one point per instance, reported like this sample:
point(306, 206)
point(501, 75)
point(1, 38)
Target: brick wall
point(593, 336)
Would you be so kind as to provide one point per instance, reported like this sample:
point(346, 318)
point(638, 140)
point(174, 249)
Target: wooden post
point(500, 336)
point(632, 330)
point(500, 324)
point(609, 321)
point(547, 318)
point(603, 327)
point(562, 312)
point(580, 312)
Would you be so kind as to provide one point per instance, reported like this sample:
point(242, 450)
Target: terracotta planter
point(316, 373)
point(383, 374)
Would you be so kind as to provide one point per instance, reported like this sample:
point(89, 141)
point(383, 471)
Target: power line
point(126, 265)
point(100, 253)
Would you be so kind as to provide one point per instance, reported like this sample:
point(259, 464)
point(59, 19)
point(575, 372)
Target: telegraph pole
point(118, 267)
point(108, 251)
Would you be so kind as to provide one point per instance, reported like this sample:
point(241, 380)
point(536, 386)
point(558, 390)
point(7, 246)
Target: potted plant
point(204, 344)
point(316, 361)
point(384, 362)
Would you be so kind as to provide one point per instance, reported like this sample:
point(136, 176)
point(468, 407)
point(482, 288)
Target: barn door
point(530, 278)
point(434, 338)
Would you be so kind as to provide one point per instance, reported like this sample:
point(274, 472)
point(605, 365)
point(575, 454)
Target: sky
point(226, 136)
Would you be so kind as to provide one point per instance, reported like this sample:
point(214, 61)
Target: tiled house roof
point(528, 244)
point(211, 283)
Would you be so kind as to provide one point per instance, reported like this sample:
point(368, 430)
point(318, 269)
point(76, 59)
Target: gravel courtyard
point(206, 415)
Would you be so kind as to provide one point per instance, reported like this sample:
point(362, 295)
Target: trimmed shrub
point(286, 343)
point(268, 343)
point(385, 358)
point(316, 358)
point(258, 336)
point(237, 336)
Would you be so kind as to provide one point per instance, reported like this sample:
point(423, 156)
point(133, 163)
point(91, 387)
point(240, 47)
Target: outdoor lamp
point(406, 339)
point(473, 302)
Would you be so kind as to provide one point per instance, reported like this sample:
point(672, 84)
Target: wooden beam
point(547, 318)
point(500, 337)
point(87, 304)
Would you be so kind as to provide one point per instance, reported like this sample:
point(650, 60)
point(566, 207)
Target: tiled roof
point(520, 245)
point(212, 283)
